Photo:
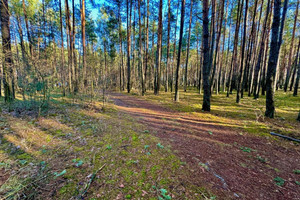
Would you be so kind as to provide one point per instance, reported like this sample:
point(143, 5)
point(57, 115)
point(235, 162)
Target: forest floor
point(228, 150)
point(78, 150)
point(149, 148)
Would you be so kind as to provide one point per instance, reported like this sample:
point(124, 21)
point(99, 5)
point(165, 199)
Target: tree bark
point(141, 73)
point(188, 48)
point(295, 68)
point(240, 80)
point(62, 50)
point(280, 39)
point(291, 50)
point(206, 58)
point(273, 58)
point(147, 44)
point(261, 52)
point(120, 44)
point(6, 47)
point(168, 46)
point(179, 50)
point(174, 48)
point(217, 45)
point(158, 50)
point(75, 70)
point(234, 53)
point(129, 10)
point(69, 44)
point(297, 65)
point(27, 28)
point(83, 43)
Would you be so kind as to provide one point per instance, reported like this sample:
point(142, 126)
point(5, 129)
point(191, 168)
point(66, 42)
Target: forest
point(149, 99)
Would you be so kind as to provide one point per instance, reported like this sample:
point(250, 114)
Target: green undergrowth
point(247, 116)
point(77, 150)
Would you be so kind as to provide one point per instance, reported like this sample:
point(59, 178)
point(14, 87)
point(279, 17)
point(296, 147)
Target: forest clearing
point(145, 147)
point(149, 99)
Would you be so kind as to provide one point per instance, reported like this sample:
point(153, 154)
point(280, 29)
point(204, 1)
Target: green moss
point(78, 149)
point(88, 132)
point(24, 156)
point(69, 188)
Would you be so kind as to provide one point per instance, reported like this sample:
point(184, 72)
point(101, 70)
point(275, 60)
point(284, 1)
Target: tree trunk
point(295, 68)
point(253, 48)
point(69, 44)
point(23, 50)
point(206, 58)
point(147, 44)
point(280, 39)
point(27, 28)
point(129, 10)
point(133, 48)
point(291, 50)
point(261, 52)
point(273, 58)
point(297, 65)
point(179, 50)
point(240, 80)
point(234, 53)
point(188, 48)
point(141, 73)
point(120, 41)
point(217, 45)
point(174, 48)
point(83, 44)
point(168, 46)
point(62, 50)
point(6, 47)
point(263, 80)
point(158, 50)
point(227, 56)
point(74, 61)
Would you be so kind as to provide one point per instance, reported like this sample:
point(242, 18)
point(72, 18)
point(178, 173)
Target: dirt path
point(232, 165)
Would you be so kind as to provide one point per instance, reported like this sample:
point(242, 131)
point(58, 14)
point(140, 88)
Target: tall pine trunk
point(285, 6)
point(120, 45)
point(179, 51)
point(62, 51)
point(206, 58)
point(69, 44)
point(174, 48)
point(141, 67)
point(147, 44)
point(297, 65)
point(158, 50)
point(129, 10)
point(240, 79)
point(287, 79)
point(6, 48)
point(168, 46)
point(188, 48)
point(261, 53)
point(83, 43)
point(217, 45)
point(27, 28)
point(234, 53)
point(273, 58)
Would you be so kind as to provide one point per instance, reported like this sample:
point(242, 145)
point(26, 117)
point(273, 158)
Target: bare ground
point(230, 164)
